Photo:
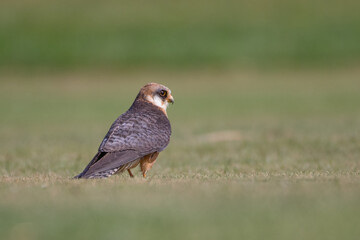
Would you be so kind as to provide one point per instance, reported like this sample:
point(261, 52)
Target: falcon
point(136, 137)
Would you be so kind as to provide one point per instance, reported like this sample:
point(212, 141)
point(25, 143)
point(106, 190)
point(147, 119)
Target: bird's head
point(156, 94)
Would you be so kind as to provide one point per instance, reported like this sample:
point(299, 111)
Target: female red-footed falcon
point(136, 137)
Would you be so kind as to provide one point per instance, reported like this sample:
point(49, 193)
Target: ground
point(253, 155)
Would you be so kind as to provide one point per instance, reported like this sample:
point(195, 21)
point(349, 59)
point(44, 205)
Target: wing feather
point(96, 158)
point(109, 162)
point(145, 131)
point(142, 130)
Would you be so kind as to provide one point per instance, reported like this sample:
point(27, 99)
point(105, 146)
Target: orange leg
point(130, 173)
point(147, 161)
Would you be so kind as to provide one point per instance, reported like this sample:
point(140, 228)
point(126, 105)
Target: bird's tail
point(96, 158)
point(105, 164)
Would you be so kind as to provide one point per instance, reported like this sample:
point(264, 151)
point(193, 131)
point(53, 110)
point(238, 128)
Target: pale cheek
point(158, 102)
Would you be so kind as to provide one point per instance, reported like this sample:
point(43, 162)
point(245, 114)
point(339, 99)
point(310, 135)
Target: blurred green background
point(266, 133)
point(121, 34)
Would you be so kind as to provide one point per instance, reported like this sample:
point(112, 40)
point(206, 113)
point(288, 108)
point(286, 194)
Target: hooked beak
point(170, 99)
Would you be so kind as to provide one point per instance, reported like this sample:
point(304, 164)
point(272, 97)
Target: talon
point(144, 174)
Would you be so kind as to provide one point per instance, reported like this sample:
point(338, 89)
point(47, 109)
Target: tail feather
point(105, 164)
point(96, 158)
point(104, 174)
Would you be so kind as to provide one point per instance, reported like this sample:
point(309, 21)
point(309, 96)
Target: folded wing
point(133, 135)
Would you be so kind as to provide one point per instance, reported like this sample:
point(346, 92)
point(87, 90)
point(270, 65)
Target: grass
point(122, 34)
point(254, 155)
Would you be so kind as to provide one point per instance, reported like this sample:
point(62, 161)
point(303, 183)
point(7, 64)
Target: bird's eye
point(163, 93)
